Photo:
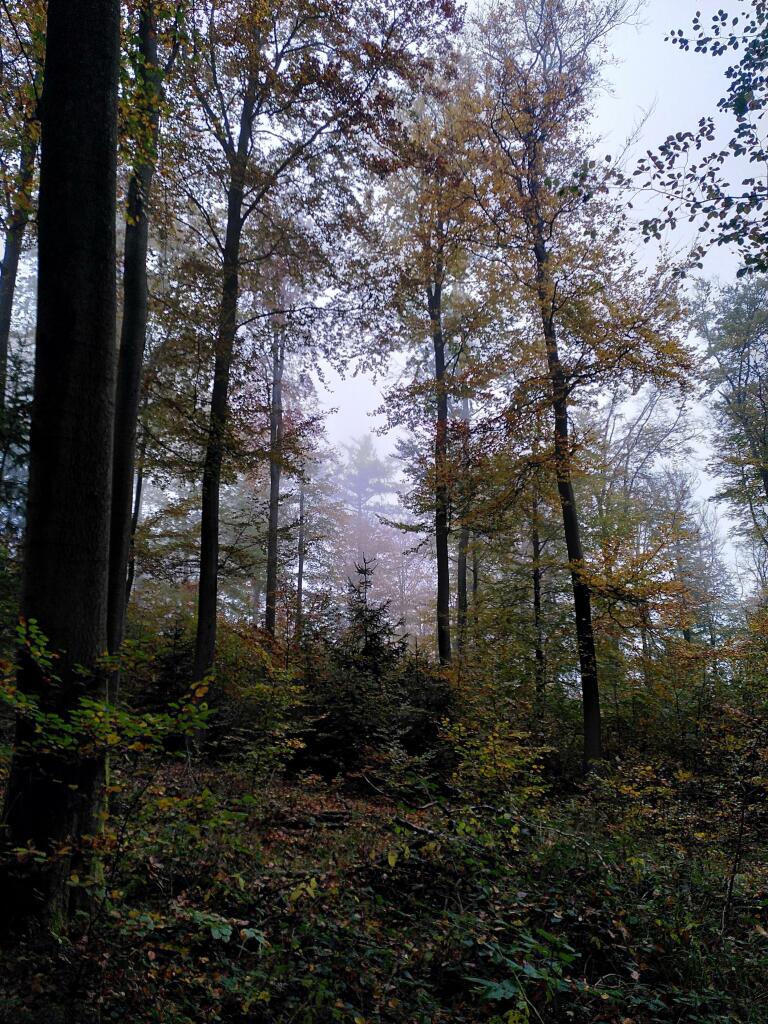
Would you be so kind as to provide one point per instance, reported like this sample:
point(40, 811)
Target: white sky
point(651, 79)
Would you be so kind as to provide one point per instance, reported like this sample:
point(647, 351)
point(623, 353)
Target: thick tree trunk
point(9, 269)
point(205, 640)
point(434, 301)
point(275, 472)
point(582, 598)
point(133, 332)
point(54, 800)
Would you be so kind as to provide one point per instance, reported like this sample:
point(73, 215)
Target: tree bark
point(434, 302)
point(300, 570)
point(54, 800)
point(134, 524)
point(463, 547)
point(205, 639)
point(461, 588)
point(582, 598)
point(133, 333)
point(275, 472)
point(541, 663)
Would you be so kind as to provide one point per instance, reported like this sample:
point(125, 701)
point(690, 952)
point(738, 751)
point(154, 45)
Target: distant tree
point(276, 87)
point(365, 477)
point(734, 322)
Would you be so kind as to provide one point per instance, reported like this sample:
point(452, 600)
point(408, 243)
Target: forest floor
point(309, 901)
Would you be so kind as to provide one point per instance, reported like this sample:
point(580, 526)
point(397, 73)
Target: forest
point(460, 719)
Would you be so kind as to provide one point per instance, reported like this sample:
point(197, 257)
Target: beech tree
point(55, 799)
point(276, 86)
point(561, 239)
point(151, 63)
point(432, 229)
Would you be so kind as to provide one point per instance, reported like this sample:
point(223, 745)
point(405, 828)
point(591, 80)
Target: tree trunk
point(461, 568)
point(205, 640)
point(582, 598)
point(275, 471)
point(134, 524)
point(434, 301)
point(133, 332)
point(300, 570)
point(53, 800)
point(461, 588)
point(541, 664)
point(14, 237)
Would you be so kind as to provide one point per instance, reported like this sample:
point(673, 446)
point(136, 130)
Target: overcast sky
point(651, 81)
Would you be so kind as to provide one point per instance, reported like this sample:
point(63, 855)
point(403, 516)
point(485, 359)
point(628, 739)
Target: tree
point(278, 86)
point(54, 800)
point(561, 239)
point(734, 322)
point(431, 225)
point(149, 72)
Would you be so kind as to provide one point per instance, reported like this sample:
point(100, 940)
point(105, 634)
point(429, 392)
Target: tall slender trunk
point(133, 333)
point(14, 237)
point(135, 516)
point(54, 800)
point(461, 588)
point(300, 570)
point(275, 472)
point(463, 547)
point(434, 303)
point(582, 597)
point(401, 593)
point(205, 640)
point(645, 628)
point(540, 656)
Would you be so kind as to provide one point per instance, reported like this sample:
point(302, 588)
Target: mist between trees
point(474, 731)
